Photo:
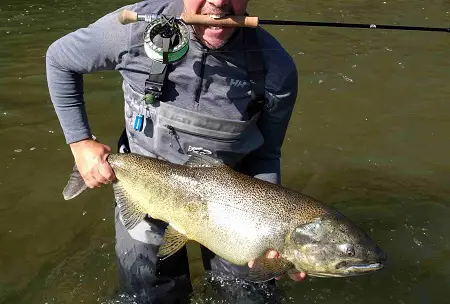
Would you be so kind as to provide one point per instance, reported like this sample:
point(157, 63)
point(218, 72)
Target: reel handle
point(127, 16)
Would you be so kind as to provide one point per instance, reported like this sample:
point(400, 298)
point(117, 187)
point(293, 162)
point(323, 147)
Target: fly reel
point(166, 39)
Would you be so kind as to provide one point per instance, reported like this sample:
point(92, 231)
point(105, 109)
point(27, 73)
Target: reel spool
point(166, 39)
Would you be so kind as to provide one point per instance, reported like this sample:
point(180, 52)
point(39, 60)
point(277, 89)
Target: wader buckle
point(152, 92)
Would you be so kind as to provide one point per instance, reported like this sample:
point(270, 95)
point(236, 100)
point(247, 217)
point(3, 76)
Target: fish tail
point(75, 185)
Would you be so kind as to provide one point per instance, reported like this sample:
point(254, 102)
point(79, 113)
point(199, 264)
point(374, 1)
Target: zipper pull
point(138, 122)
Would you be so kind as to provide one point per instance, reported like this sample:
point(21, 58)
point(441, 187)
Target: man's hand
point(294, 275)
point(90, 158)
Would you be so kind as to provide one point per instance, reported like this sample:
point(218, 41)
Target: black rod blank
point(355, 25)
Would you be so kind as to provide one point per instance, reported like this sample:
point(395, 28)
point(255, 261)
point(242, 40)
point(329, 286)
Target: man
point(227, 97)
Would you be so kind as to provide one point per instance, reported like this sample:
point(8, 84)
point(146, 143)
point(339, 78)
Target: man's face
point(215, 37)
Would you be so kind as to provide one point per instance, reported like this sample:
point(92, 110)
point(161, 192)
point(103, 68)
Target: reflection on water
point(214, 288)
point(219, 289)
point(369, 135)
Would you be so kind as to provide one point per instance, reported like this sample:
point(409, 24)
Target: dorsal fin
point(201, 160)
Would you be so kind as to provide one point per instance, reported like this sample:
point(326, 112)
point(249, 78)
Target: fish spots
point(185, 180)
point(219, 207)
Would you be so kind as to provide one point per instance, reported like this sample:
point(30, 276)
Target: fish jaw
point(332, 246)
point(354, 268)
point(348, 271)
point(331, 267)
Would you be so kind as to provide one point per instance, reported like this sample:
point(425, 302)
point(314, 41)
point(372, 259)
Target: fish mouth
point(345, 269)
point(359, 267)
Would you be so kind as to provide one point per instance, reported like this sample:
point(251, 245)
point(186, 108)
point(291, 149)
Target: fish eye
point(350, 251)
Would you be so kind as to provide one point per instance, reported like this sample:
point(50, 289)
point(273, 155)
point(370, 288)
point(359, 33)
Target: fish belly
point(196, 208)
point(233, 234)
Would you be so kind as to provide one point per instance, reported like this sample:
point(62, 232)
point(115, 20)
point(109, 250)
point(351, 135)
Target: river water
point(369, 136)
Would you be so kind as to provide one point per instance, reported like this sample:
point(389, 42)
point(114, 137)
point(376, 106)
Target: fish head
point(332, 246)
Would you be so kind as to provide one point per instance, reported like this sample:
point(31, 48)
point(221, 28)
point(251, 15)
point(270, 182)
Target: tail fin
point(75, 185)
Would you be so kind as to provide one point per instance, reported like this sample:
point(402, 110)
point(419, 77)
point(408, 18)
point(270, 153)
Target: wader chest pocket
point(185, 141)
point(170, 132)
point(175, 131)
point(175, 138)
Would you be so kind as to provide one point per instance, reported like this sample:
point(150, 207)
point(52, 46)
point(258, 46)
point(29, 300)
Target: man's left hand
point(294, 275)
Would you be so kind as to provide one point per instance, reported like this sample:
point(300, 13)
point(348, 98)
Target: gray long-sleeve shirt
point(209, 82)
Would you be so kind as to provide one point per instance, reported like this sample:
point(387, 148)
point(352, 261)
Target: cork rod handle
point(229, 21)
point(127, 16)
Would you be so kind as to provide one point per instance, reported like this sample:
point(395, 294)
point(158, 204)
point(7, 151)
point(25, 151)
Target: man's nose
point(218, 3)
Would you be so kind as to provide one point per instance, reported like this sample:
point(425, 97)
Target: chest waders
point(157, 129)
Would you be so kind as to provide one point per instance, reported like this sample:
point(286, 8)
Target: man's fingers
point(91, 160)
point(91, 182)
point(103, 174)
point(107, 172)
point(100, 178)
point(272, 254)
point(108, 150)
point(293, 274)
point(297, 276)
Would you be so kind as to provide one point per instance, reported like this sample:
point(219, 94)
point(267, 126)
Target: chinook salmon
point(238, 217)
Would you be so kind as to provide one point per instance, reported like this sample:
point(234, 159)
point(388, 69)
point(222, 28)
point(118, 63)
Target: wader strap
point(255, 70)
point(155, 82)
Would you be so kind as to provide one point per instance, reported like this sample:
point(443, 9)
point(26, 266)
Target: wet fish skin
point(239, 217)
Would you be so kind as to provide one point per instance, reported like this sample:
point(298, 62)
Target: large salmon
point(238, 217)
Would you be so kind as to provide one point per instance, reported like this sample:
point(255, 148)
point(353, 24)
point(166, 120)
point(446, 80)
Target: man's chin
point(214, 37)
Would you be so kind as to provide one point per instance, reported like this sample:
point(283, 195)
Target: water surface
point(369, 135)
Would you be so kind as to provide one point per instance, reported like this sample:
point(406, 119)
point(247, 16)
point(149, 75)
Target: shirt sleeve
point(281, 94)
point(100, 46)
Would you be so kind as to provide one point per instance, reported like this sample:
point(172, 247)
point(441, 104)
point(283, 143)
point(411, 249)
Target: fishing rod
point(127, 16)
point(166, 38)
point(356, 25)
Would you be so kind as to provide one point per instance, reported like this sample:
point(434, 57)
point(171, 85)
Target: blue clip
point(138, 122)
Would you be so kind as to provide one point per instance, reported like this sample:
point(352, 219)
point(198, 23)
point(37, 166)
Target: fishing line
point(356, 25)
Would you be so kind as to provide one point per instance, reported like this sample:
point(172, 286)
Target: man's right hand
point(90, 158)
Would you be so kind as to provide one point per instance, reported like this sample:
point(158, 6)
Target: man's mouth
point(216, 16)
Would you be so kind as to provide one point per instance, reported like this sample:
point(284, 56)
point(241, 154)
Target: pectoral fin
point(265, 269)
point(173, 241)
point(131, 211)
